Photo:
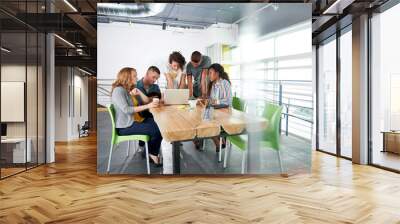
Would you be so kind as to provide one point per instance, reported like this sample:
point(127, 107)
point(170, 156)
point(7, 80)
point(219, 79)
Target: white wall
point(67, 80)
point(140, 46)
point(61, 103)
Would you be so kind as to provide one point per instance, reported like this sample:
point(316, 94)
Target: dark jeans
point(146, 114)
point(147, 127)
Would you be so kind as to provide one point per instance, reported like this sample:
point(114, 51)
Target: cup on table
point(156, 100)
point(192, 104)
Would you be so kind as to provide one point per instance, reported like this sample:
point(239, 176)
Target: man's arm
point(182, 82)
point(204, 83)
point(189, 78)
point(156, 93)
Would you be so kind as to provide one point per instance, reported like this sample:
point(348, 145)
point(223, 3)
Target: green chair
point(116, 139)
point(270, 136)
point(237, 104)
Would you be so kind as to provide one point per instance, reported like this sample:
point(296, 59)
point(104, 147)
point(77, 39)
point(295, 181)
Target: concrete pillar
point(50, 92)
point(360, 90)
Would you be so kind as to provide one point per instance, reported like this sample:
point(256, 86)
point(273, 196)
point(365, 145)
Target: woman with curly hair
point(176, 75)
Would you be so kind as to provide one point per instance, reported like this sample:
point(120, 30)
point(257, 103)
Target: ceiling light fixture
point(337, 7)
point(5, 50)
point(70, 5)
point(64, 40)
point(84, 71)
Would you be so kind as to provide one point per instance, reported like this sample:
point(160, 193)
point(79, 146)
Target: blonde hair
point(124, 79)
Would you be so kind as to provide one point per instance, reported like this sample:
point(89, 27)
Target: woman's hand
point(153, 104)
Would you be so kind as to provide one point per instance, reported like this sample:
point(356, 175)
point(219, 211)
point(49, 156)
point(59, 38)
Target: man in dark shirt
point(147, 83)
point(150, 89)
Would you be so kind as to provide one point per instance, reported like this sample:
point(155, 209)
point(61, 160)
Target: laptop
point(176, 96)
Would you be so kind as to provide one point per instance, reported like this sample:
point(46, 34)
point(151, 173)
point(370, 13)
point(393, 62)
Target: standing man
point(197, 70)
point(150, 89)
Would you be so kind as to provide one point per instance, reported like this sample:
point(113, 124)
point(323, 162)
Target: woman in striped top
point(219, 91)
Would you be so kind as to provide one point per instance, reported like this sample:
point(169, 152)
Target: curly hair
point(177, 57)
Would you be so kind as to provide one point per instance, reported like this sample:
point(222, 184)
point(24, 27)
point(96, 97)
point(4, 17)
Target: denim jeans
point(147, 127)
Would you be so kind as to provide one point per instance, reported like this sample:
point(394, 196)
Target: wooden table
point(178, 123)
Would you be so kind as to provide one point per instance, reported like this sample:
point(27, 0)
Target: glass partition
point(14, 153)
point(22, 91)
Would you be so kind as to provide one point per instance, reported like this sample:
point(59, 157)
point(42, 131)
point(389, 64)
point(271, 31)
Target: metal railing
point(296, 97)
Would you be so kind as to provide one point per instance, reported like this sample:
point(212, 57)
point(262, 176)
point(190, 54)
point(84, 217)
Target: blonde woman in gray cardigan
point(123, 89)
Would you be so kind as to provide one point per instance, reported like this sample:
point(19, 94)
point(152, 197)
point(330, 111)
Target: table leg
point(249, 149)
point(253, 159)
point(176, 154)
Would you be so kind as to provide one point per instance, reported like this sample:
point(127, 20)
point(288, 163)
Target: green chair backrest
point(238, 104)
point(272, 113)
point(111, 111)
point(269, 110)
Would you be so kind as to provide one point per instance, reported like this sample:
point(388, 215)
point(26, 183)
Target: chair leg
point(109, 159)
point(244, 153)
point(161, 155)
point(147, 158)
point(227, 150)
point(220, 149)
point(128, 149)
point(280, 161)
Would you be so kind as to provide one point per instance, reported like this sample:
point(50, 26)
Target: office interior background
point(49, 86)
point(267, 56)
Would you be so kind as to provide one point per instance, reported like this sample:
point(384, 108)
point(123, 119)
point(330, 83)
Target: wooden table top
point(179, 123)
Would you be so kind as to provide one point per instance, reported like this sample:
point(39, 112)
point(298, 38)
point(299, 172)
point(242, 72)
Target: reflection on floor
point(295, 152)
point(387, 159)
point(11, 168)
point(10, 171)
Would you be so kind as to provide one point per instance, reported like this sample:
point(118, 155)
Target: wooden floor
point(70, 191)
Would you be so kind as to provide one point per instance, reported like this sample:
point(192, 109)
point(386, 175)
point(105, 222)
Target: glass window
point(327, 96)
point(385, 89)
point(346, 94)
point(293, 43)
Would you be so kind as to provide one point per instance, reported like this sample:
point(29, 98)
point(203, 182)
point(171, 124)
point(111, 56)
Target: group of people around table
point(132, 98)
